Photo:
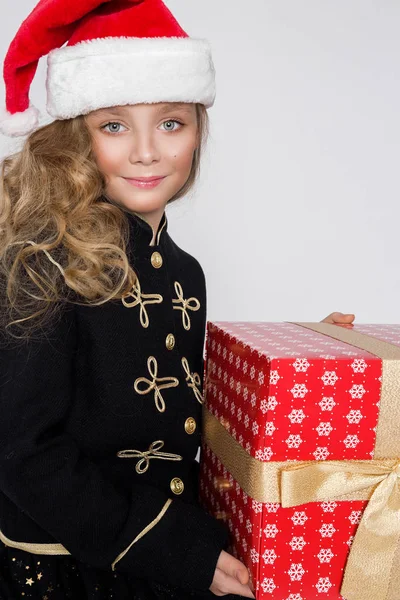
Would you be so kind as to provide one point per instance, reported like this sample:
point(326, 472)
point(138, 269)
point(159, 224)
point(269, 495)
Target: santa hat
point(118, 52)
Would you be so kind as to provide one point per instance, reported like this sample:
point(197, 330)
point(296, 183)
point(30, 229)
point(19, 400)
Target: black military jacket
point(100, 425)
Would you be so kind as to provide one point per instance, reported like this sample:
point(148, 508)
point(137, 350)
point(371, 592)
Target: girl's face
point(144, 140)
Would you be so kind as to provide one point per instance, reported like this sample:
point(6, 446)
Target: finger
point(344, 318)
point(231, 585)
point(337, 317)
point(233, 567)
point(329, 318)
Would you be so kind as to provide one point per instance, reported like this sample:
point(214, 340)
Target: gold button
point(170, 341)
point(190, 425)
point(156, 260)
point(177, 485)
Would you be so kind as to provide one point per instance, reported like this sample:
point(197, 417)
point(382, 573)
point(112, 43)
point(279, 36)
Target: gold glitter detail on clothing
point(190, 303)
point(169, 382)
point(142, 300)
point(193, 380)
point(152, 452)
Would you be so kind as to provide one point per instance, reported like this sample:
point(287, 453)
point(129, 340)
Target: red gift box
point(299, 431)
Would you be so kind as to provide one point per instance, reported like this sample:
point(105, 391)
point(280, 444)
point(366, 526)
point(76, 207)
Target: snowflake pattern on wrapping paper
point(325, 555)
point(301, 365)
point(256, 506)
point(327, 530)
point(274, 377)
point(299, 390)
point(294, 440)
point(254, 555)
point(357, 391)
point(269, 556)
point(321, 453)
point(269, 428)
point(327, 403)
point(355, 517)
point(272, 403)
point(296, 416)
point(296, 572)
point(268, 585)
point(359, 365)
point(299, 518)
point(271, 530)
point(329, 378)
point(323, 585)
point(351, 441)
point(264, 455)
point(329, 506)
point(294, 597)
point(271, 507)
point(324, 428)
point(354, 416)
point(297, 543)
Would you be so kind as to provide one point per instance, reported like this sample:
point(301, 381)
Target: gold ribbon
point(372, 567)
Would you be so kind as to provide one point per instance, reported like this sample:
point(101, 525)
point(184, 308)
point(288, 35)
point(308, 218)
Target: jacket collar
point(141, 231)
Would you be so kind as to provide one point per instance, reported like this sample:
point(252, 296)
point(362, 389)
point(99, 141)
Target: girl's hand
point(231, 577)
point(338, 318)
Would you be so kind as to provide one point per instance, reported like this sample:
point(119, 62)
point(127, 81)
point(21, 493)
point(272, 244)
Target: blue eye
point(114, 127)
point(172, 121)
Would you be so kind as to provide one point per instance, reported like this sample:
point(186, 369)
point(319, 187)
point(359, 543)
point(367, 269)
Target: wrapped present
point(301, 455)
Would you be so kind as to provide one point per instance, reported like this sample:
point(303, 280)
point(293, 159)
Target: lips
point(145, 182)
point(145, 179)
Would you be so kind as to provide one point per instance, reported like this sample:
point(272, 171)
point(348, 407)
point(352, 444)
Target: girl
point(103, 315)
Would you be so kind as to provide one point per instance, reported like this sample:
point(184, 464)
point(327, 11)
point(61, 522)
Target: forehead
point(156, 108)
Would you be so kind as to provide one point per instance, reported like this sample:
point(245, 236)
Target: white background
point(297, 211)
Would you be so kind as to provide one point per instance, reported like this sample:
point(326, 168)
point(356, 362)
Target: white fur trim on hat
point(20, 123)
point(118, 71)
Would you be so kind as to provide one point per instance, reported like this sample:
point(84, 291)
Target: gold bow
point(193, 380)
point(377, 538)
point(152, 452)
point(191, 303)
point(170, 382)
point(136, 294)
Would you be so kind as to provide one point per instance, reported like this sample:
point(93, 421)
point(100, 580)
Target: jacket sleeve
point(42, 470)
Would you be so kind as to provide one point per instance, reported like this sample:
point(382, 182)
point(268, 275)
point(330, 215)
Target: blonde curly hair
point(60, 242)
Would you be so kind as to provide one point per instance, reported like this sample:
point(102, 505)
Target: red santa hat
point(118, 52)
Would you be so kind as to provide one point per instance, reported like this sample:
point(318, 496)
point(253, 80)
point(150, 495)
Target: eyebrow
point(184, 106)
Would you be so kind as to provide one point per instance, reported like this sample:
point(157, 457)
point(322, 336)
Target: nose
point(144, 149)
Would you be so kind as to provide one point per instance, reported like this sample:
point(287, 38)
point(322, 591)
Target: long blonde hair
point(59, 240)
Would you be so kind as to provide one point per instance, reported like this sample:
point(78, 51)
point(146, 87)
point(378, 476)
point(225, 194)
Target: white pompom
point(20, 123)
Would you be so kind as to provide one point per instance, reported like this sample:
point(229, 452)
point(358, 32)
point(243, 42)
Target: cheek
point(107, 157)
point(182, 149)
point(183, 157)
